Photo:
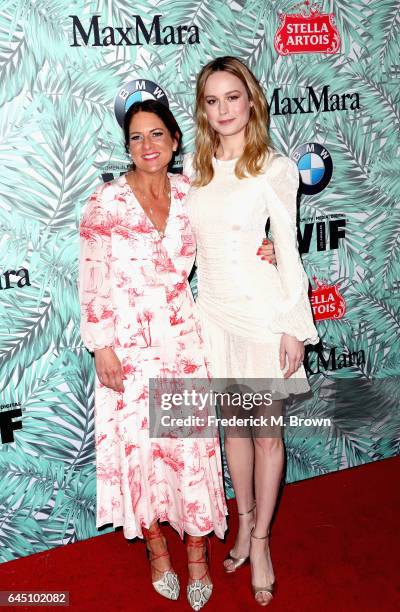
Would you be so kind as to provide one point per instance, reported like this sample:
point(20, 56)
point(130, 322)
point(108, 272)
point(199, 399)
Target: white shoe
point(168, 584)
point(198, 592)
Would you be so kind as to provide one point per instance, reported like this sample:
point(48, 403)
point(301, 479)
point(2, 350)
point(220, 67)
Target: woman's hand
point(109, 369)
point(294, 350)
point(266, 251)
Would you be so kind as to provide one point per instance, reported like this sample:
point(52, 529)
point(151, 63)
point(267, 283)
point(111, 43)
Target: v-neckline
point(164, 233)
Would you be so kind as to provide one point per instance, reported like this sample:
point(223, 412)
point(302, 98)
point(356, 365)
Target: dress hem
point(130, 535)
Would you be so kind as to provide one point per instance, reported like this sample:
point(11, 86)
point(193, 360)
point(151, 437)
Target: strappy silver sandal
point(269, 588)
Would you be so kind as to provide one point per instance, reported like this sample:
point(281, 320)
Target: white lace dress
point(245, 304)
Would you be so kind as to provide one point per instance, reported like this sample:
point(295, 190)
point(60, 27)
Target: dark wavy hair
point(163, 113)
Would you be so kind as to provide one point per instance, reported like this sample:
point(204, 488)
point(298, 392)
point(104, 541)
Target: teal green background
point(58, 134)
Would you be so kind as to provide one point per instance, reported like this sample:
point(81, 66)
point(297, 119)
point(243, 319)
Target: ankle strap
point(152, 535)
point(259, 537)
point(205, 558)
point(154, 557)
point(248, 511)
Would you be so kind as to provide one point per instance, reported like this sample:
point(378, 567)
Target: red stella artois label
point(308, 31)
point(326, 301)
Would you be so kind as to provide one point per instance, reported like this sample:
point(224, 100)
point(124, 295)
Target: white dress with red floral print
point(135, 297)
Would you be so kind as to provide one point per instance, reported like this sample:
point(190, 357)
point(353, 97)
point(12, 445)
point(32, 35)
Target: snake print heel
point(198, 592)
point(168, 585)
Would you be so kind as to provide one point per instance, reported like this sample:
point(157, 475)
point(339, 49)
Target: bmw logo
point(315, 167)
point(137, 91)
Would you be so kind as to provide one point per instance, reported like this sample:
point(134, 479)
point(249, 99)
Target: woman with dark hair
point(137, 250)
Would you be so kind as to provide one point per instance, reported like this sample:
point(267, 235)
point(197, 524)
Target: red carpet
point(335, 547)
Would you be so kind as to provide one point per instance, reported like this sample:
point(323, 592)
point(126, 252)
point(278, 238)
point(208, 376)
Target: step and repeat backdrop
point(68, 71)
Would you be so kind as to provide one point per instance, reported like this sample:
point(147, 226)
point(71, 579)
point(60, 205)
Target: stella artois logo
point(326, 301)
point(308, 31)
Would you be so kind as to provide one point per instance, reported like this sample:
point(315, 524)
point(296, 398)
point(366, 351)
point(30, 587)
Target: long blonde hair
point(256, 135)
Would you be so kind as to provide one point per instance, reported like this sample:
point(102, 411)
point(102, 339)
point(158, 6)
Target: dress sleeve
point(294, 316)
point(188, 169)
point(97, 312)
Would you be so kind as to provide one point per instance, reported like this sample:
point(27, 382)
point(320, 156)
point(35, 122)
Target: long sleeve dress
point(244, 303)
point(135, 297)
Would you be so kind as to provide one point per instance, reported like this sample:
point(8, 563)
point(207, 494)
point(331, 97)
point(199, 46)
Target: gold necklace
point(150, 208)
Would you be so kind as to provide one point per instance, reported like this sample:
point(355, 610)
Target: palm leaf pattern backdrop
point(58, 133)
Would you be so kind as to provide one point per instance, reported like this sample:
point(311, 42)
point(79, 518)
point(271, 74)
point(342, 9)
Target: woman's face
point(226, 103)
point(150, 143)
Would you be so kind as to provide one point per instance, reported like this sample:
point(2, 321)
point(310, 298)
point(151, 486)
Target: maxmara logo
point(11, 278)
point(156, 33)
point(321, 359)
point(313, 101)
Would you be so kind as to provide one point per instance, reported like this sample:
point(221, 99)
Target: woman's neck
point(230, 147)
point(149, 184)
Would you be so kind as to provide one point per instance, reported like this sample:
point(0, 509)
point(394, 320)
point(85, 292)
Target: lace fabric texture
point(245, 304)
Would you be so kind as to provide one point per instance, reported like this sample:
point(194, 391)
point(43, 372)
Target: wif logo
point(327, 234)
point(9, 412)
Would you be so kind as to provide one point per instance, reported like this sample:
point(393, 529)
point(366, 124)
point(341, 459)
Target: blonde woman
point(255, 318)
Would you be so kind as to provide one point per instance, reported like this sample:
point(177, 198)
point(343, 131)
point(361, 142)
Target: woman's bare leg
point(268, 468)
point(239, 454)
point(157, 546)
point(196, 547)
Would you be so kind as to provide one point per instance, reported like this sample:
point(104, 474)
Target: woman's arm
point(97, 310)
point(97, 313)
point(187, 169)
point(266, 251)
point(294, 316)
